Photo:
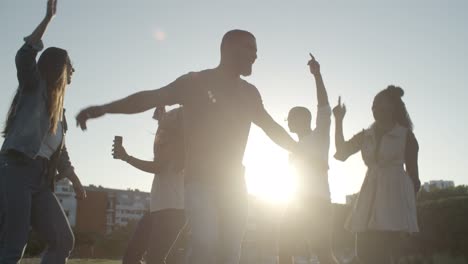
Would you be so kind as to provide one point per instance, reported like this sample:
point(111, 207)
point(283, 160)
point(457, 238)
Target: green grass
point(76, 261)
point(444, 259)
point(436, 259)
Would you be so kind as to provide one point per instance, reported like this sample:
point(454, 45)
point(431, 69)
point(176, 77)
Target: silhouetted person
point(34, 152)
point(308, 219)
point(219, 108)
point(157, 231)
point(386, 205)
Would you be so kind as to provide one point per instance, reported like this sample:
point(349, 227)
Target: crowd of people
point(198, 173)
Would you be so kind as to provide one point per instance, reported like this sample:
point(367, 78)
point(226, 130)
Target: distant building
point(66, 196)
point(92, 212)
point(126, 206)
point(428, 186)
point(104, 209)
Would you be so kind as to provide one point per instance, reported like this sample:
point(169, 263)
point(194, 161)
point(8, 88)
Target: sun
point(268, 174)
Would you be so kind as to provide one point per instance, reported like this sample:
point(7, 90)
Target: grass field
point(439, 259)
point(76, 261)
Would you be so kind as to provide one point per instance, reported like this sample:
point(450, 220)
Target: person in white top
point(308, 218)
point(157, 232)
point(386, 205)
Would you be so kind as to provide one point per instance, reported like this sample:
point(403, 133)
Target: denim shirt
point(31, 124)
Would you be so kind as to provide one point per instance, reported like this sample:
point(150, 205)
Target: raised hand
point(339, 111)
point(119, 152)
point(88, 113)
point(314, 66)
point(51, 8)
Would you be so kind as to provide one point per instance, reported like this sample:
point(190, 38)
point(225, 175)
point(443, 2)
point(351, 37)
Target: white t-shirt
point(51, 143)
point(167, 191)
point(311, 162)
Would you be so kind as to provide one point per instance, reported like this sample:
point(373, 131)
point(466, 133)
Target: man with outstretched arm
point(219, 107)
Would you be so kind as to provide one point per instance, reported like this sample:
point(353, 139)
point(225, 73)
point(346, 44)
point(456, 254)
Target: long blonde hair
point(55, 95)
point(53, 65)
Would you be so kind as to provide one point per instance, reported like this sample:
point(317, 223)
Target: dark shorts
point(307, 227)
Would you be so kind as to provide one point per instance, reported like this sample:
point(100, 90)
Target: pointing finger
point(312, 56)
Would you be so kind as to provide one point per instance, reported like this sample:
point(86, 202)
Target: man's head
point(299, 119)
point(239, 51)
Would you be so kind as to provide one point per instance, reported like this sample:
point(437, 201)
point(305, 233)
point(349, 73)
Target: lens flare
point(159, 35)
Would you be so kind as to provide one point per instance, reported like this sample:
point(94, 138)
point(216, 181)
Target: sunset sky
point(119, 47)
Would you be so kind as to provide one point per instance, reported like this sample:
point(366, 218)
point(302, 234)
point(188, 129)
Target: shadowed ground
point(76, 261)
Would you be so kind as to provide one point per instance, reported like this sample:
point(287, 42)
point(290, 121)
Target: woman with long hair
point(386, 205)
point(33, 155)
point(157, 231)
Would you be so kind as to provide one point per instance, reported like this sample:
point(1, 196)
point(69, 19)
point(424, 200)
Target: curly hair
point(394, 95)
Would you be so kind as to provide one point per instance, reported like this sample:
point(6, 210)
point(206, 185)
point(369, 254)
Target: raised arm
point(339, 112)
point(322, 96)
point(36, 35)
point(26, 56)
point(323, 119)
point(274, 131)
point(344, 149)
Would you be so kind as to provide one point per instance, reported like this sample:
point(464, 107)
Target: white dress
point(387, 200)
point(167, 191)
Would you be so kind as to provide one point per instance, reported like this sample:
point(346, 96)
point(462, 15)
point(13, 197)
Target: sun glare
point(159, 35)
point(269, 178)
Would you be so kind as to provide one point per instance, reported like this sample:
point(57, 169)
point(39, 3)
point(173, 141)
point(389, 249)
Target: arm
point(339, 137)
point(64, 166)
point(36, 35)
point(65, 169)
point(274, 131)
point(411, 160)
point(138, 102)
point(26, 56)
point(135, 103)
point(322, 96)
point(323, 119)
point(143, 165)
point(119, 152)
point(339, 112)
point(344, 149)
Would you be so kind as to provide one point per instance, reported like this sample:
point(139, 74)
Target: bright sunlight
point(268, 174)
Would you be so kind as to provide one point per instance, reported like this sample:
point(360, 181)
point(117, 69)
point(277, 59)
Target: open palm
point(51, 8)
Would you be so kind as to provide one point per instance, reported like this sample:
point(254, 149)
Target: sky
point(119, 47)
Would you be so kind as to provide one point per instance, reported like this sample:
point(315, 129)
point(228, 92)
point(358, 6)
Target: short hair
point(233, 36)
point(302, 113)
